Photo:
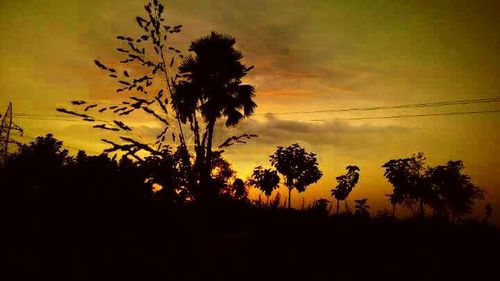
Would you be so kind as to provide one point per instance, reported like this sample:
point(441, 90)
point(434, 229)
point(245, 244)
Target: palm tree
point(211, 88)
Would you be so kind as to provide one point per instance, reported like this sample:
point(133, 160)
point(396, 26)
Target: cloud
point(276, 131)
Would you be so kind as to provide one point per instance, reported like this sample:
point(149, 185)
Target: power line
point(415, 115)
point(50, 119)
point(402, 106)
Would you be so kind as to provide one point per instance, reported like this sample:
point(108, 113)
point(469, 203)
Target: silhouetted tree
point(345, 184)
point(266, 180)
point(168, 171)
point(320, 206)
point(212, 87)
point(362, 208)
point(409, 185)
point(220, 176)
point(299, 168)
point(36, 170)
point(453, 192)
point(206, 85)
point(488, 211)
point(239, 190)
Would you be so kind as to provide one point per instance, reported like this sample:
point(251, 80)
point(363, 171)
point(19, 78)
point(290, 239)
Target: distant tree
point(320, 206)
point(454, 193)
point(239, 190)
point(299, 168)
point(266, 180)
point(362, 208)
point(488, 211)
point(409, 185)
point(221, 174)
point(345, 184)
point(37, 169)
point(168, 171)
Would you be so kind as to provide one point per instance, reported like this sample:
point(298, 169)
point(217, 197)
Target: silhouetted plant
point(299, 168)
point(239, 189)
point(221, 173)
point(362, 208)
point(36, 169)
point(148, 82)
point(453, 192)
point(211, 87)
point(488, 211)
point(266, 180)
point(409, 186)
point(167, 171)
point(320, 206)
point(205, 87)
point(345, 184)
point(276, 201)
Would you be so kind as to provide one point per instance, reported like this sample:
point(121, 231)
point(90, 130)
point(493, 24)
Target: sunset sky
point(308, 55)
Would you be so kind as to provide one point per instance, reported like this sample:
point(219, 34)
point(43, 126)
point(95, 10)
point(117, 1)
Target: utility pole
point(5, 132)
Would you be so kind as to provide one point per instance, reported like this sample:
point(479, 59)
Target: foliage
point(175, 89)
point(147, 78)
point(320, 206)
point(239, 189)
point(299, 168)
point(362, 208)
point(407, 178)
point(266, 180)
point(345, 184)
point(453, 192)
point(211, 87)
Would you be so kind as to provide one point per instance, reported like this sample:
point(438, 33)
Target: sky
point(308, 56)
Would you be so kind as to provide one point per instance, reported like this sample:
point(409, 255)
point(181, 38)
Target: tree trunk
point(205, 177)
point(338, 208)
point(394, 210)
point(289, 198)
point(210, 129)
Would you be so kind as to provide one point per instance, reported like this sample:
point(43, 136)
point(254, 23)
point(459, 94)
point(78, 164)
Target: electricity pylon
point(5, 131)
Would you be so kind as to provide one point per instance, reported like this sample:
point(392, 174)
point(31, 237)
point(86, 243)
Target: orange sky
point(308, 55)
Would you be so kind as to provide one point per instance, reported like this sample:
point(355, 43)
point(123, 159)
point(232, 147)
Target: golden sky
point(308, 55)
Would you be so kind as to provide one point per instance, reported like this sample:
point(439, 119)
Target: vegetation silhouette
point(443, 188)
point(175, 211)
point(345, 184)
point(77, 217)
point(191, 93)
point(266, 180)
point(299, 168)
point(361, 208)
point(452, 193)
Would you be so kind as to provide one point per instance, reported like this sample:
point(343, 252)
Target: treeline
point(83, 217)
point(44, 172)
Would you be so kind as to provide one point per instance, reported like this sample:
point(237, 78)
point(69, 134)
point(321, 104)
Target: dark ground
point(236, 242)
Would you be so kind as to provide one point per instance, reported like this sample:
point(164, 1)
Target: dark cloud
point(276, 131)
